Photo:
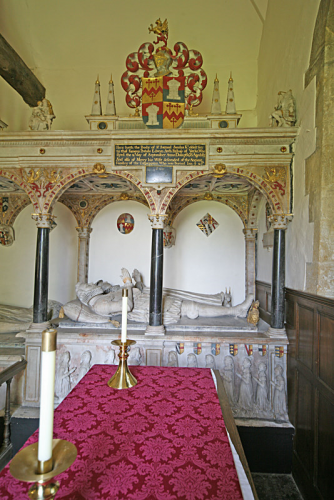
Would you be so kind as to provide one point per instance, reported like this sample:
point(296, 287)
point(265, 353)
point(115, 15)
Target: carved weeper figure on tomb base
point(136, 356)
point(245, 400)
point(261, 398)
point(192, 361)
point(172, 359)
point(64, 372)
point(227, 374)
point(210, 362)
point(279, 402)
point(85, 364)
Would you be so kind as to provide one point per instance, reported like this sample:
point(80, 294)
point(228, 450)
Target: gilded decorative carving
point(219, 170)
point(100, 170)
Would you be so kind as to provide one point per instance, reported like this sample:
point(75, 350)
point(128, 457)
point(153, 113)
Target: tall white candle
point(48, 364)
point(124, 313)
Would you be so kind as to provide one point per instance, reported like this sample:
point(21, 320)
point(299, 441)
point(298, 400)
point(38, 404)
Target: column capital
point(280, 221)
point(45, 221)
point(84, 232)
point(250, 233)
point(157, 220)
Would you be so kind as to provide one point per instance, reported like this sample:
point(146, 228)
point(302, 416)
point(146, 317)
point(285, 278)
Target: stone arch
point(228, 202)
point(75, 175)
point(94, 204)
point(17, 177)
point(269, 192)
point(254, 203)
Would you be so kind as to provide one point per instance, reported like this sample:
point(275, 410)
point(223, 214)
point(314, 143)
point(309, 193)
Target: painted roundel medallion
point(125, 223)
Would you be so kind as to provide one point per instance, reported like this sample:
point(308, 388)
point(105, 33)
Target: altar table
point(163, 439)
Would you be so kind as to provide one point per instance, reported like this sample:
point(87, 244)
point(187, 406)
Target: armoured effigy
point(99, 302)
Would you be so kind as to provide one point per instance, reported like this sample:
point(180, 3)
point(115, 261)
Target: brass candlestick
point(26, 467)
point(123, 378)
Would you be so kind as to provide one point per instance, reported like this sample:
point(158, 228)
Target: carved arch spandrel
point(75, 175)
point(95, 203)
point(272, 182)
point(17, 176)
point(16, 202)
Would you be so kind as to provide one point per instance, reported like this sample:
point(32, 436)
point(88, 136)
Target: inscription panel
point(160, 155)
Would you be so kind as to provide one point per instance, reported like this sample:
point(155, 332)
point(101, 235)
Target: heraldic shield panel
point(163, 101)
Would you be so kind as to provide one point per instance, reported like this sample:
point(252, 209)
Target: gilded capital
point(84, 232)
point(45, 221)
point(280, 221)
point(250, 233)
point(157, 221)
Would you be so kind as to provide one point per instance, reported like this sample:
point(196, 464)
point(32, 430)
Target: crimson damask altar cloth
point(163, 439)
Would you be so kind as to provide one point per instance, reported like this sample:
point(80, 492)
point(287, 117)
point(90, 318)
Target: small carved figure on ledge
point(210, 362)
point(254, 314)
point(284, 114)
point(42, 116)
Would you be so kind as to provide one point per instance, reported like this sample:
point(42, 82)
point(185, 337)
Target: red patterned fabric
point(163, 439)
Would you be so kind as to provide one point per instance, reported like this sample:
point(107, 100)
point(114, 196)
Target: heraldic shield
point(163, 101)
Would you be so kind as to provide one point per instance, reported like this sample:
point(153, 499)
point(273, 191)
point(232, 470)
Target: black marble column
point(41, 276)
point(278, 280)
point(155, 318)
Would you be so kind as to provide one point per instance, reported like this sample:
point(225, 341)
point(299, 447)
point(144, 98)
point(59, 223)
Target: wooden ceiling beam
point(18, 75)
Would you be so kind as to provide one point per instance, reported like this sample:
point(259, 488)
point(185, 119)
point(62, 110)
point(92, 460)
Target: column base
point(155, 330)
point(279, 333)
point(38, 327)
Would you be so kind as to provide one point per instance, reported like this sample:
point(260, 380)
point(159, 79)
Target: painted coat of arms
point(165, 84)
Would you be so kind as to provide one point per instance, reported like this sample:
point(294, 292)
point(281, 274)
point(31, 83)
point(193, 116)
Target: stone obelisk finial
point(96, 106)
point(215, 106)
point(111, 107)
point(230, 103)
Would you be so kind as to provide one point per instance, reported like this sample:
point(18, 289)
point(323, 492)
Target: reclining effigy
point(99, 302)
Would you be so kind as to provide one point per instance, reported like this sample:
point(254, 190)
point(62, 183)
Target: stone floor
point(276, 487)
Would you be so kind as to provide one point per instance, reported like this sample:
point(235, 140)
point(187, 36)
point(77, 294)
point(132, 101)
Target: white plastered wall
point(207, 264)
point(283, 59)
point(110, 250)
point(196, 263)
point(68, 43)
point(17, 262)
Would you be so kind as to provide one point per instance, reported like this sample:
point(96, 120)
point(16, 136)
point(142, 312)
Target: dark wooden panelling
point(305, 338)
point(325, 458)
point(263, 295)
point(304, 440)
point(326, 349)
point(310, 330)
